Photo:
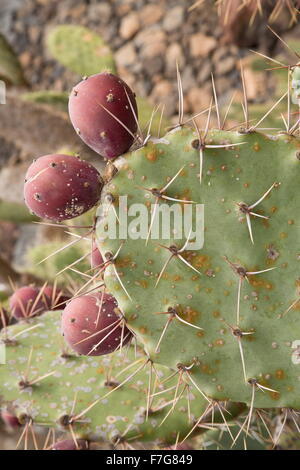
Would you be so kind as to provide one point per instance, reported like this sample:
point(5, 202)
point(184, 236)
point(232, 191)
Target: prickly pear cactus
point(220, 319)
point(80, 49)
point(52, 387)
point(238, 294)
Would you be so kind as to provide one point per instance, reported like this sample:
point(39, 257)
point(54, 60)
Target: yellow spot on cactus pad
point(151, 156)
point(279, 374)
point(283, 235)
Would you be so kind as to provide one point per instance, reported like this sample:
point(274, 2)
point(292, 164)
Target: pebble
point(130, 25)
point(202, 45)
point(163, 94)
point(174, 54)
point(199, 98)
point(126, 55)
point(173, 19)
point(153, 50)
point(150, 35)
point(100, 12)
point(224, 66)
point(204, 73)
point(151, 14)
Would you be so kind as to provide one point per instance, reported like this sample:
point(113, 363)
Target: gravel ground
point(146, 36)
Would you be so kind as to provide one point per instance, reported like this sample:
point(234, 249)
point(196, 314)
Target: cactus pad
point(55, 381)
point(249, 321)
point(80, 49)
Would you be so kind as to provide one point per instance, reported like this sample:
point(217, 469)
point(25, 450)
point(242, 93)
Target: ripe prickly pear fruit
point(60, 187)
point(92, 327)
point(28, 302)
point(56, 296)
point(96, 257)
point(103, 111)
point(69, 444)
point(10, 419)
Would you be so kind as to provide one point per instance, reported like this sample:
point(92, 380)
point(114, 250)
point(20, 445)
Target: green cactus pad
point(256, 439)
point(122, 412)
point(80, 49)
point(57, 99)
point(10, 68)
point(48, 270)
point(231, 175)
point(16, 213)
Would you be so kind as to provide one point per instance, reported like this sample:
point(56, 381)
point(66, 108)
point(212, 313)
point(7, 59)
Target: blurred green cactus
point(10, 68)
point(16, 213)
point(80, 49)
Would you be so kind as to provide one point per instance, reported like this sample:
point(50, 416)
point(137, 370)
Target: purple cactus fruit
point(60, 187)
point(69, 444)
point(10, 419)
point(56, 296)
point(103, 111)
point(96, 257)
point(28, 302)
point(91, 326)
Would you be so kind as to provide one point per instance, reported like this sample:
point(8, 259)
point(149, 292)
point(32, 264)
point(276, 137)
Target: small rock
point(173, 19)
point(153, 50)
point(188, 78)
point(143, 86)
point(204, 71)
point(110, 33)
point(174, 54)
point(225, 65)
point(254, 82)
point(130, 25)
point(202, 45)
point(150, 35)
point(100, 12)
point(122, 9)
point(199, 98)
point(162, 94)
point(221, 85)
point(126, 55)
point(220, 54)
point(151, 14)
point(154, 65)
point(78, 11)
